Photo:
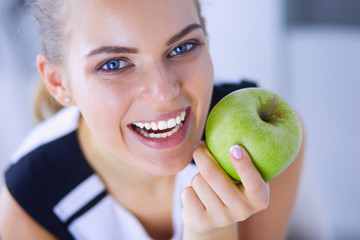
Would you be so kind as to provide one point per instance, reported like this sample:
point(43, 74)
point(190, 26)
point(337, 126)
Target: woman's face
point(141, 74)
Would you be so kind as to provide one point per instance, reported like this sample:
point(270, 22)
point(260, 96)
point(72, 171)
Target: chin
point(170, 165)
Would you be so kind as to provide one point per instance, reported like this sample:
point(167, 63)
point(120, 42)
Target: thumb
point(243, 165)
point(250, 177)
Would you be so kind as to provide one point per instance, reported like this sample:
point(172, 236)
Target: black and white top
point(51, 179)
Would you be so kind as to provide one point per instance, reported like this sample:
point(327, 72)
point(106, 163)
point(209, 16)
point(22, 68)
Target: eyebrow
point(119, 49)
point(111, 49)
point(183, 33)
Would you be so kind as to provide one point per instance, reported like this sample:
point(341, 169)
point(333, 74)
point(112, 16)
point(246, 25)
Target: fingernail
point(236, 152)
point(196, 145)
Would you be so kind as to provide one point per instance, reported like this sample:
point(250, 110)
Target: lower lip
point(173, 140)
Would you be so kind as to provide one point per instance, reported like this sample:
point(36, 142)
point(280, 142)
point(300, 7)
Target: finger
point(190, 200)
point(193, 209)
point(215, 175)
point(206, 194)
point(256, 189)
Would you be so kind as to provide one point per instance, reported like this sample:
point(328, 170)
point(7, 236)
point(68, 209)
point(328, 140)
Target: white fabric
point(64, 122)
point(79, 197)
point(109, 220)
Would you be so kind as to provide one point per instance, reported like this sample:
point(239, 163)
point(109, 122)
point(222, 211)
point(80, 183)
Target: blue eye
point(183, 49)
point(114, 65)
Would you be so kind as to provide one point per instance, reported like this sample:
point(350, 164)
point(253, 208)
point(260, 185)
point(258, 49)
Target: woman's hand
point(214, 203)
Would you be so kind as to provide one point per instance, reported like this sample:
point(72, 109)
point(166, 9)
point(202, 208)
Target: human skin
point(152, 83)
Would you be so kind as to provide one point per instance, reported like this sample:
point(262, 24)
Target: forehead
point(129, 22)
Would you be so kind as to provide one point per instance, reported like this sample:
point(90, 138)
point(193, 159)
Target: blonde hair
point(54, 30)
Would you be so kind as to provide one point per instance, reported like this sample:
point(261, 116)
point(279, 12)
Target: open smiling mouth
point(160, 129)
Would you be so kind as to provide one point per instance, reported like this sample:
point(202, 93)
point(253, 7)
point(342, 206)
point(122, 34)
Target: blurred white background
point(307, 51)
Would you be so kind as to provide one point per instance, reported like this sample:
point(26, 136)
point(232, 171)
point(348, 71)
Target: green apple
point(260, 121)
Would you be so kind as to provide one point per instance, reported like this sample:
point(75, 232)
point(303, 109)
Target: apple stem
point(280, 115)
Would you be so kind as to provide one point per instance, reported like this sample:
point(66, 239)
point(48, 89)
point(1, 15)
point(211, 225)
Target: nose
point(160, 84)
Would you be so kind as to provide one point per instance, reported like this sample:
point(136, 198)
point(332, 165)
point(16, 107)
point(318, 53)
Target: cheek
point(205, 87)
point(203, 72)
point(103, 106)
point(201, 84)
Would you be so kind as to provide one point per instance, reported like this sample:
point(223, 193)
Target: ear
point(54, 80)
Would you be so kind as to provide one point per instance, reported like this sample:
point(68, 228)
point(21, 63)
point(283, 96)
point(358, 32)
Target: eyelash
point(101, 66)
point(191, 46)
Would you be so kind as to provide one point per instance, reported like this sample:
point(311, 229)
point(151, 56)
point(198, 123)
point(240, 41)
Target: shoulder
point(47, 166)
point(15, 223)
point(221, 90)
point(64, 122)
point(232, 86)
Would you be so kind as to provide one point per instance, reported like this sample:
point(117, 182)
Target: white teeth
point(174, 130)
point(173, 123)
point(160, 135)
point(147, 126)
point(139, 125)
point(154, 126)
point(182, 116)
point(142, 132)
point(162, 125)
